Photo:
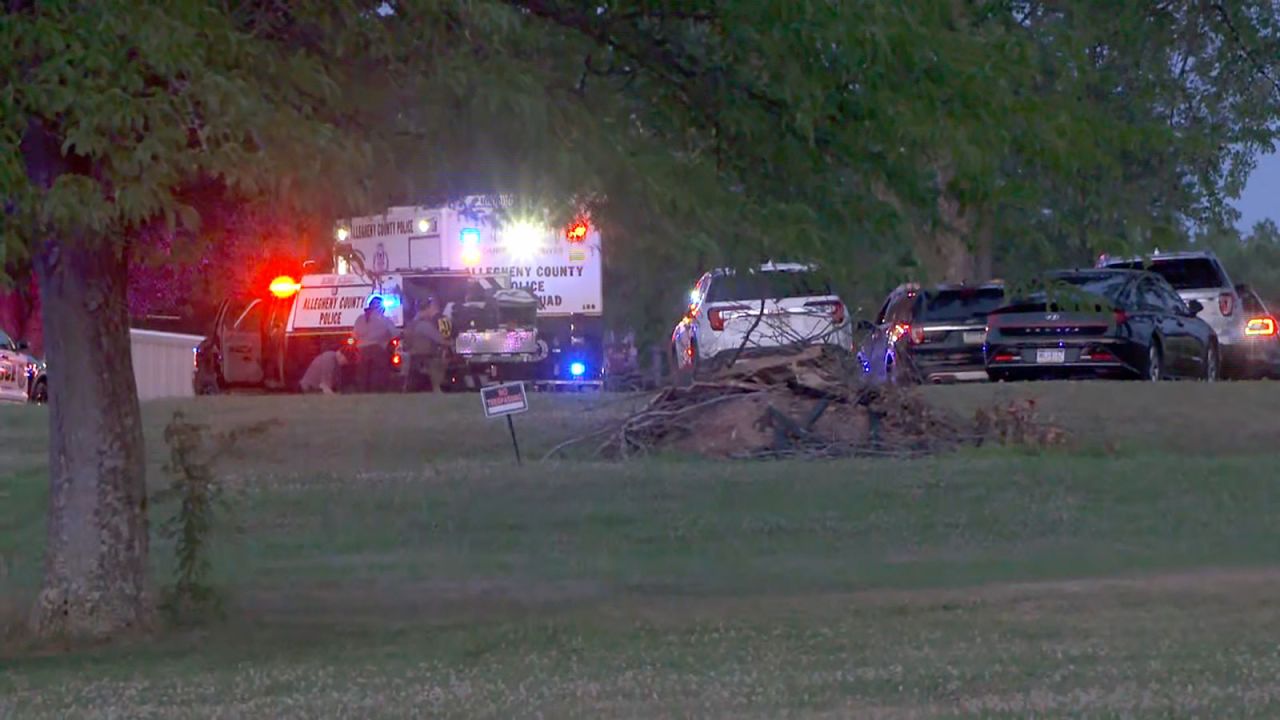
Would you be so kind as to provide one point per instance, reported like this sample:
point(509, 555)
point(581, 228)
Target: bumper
point(1252, 360)
point(950, 365)
point(1082, 360)
point(941, 377)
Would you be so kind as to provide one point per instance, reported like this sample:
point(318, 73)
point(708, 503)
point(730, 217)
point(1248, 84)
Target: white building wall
point(163, 363)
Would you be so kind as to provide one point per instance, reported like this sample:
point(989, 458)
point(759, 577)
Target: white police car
point(761, 311)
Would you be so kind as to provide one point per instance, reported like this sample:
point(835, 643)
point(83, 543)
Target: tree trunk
point(984, 251)
point(95, 578)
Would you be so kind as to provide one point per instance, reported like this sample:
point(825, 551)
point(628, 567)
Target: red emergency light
point(577, 232)
point(284, 286)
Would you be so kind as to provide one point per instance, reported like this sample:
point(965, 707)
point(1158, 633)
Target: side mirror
point(1195, 307)
point(24, 345)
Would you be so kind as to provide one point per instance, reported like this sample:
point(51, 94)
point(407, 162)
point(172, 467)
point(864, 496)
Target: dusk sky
point(1261, 197)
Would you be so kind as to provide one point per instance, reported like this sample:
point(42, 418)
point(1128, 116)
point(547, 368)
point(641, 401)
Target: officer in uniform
point(427, 341)
point(373, 333)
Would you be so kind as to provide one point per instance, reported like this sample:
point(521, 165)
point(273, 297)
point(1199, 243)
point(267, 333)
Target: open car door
point(240, 336)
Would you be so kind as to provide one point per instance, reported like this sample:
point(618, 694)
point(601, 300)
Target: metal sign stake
point(514, 443)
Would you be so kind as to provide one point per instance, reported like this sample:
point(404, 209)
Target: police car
point(22, 375)
point(765, 310)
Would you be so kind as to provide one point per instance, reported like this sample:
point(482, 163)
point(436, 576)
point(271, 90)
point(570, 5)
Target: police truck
point(481, 236)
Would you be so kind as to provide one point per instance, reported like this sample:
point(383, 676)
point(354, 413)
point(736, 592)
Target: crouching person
point(324, 374)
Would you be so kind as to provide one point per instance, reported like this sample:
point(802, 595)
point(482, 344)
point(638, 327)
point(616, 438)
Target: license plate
point(1051, 356)
point(974, 338)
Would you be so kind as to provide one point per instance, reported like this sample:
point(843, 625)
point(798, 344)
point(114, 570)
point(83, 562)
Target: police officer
point(324, 374)
point(373, 332)
point(428, 346)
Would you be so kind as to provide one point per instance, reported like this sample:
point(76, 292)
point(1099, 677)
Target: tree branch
point(1258, 65)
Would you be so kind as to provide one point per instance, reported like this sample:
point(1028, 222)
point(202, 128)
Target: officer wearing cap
point(373, 332)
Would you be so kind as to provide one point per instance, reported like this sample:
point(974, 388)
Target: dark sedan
point(1101, 323)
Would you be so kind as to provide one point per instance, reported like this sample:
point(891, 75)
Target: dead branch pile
point(804, 405)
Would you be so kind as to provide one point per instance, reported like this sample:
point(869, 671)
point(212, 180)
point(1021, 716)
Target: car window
point(768, 286)
point(1152, 297)
point(703, 286)
point(251, 318)
point(958, 304)
point(6, 343)
point(1110, 285)
point(884, 311)
point(1188, 273)
point(1171, 299)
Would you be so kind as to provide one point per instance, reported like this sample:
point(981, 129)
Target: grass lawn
point(391, 561)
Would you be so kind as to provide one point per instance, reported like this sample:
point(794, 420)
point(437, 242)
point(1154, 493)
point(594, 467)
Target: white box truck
point(561, 266)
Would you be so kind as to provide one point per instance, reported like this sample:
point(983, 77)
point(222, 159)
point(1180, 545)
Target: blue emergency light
point(388, 301)
point(577, 369)
point(470, 236)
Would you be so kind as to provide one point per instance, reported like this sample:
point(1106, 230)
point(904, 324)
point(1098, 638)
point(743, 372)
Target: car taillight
point(903, 330)
point(1261, 327)
point(836, 308)
point(1226, 303)
point(1121, 317)
point(1005, 357)
point(1099, 354)
point(716, 316)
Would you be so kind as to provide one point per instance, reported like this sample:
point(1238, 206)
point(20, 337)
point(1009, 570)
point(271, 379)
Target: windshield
point(1182, 273)
point(773, 285)
point(959, 304)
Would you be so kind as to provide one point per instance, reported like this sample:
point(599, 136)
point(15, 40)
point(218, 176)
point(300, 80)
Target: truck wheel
point(40, 393)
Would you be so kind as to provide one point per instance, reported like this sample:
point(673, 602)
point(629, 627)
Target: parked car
point(931, 335)
point(764, 310)
point(22, 375)
point(1262, 342)
point(1101, 323)
point(1200, 276)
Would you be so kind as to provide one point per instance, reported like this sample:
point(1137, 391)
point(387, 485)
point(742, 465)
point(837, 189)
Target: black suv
point(932, 335)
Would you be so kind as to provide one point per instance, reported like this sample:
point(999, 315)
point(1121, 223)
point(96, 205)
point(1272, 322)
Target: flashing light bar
point(284, 287)
point(577, 232)
point(577, 369)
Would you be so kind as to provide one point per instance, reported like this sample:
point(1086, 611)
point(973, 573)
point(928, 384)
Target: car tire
point(681, 376)
point(1154, 371)
point(1212, 363)
point(40, 393)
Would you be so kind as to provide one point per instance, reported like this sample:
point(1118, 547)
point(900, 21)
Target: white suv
point(725, 317)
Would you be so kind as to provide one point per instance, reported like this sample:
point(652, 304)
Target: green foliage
point(864, 135)
point(200, 499)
